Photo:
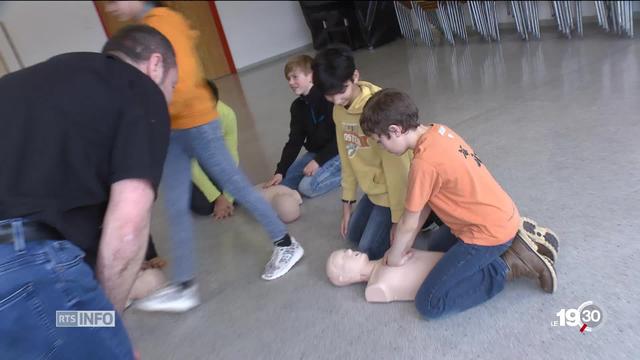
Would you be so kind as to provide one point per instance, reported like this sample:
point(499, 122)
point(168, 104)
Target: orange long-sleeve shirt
point(193, 104)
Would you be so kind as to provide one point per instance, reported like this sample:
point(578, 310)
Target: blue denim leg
point(359, 219)
point(294, 174)
point(370, 227)
point(324, 180)
point(466, 276)
point(441, 239)
point(50, 276)
point(176, 186)
point(208, 147)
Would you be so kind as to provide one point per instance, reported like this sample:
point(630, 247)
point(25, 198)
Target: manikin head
point(346, 266)
point(287, 206)
point(146, 282)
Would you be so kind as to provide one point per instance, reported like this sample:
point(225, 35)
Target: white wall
point(258, 30)
point(41, 29)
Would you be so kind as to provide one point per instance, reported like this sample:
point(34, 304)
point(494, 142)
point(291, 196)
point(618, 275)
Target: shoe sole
point(546, 239)
point(175, 309)
point(291, 265)
point(147, 303)
point(547, 263)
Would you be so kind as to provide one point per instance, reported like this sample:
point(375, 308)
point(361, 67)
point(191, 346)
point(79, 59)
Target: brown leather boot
point(523, 261)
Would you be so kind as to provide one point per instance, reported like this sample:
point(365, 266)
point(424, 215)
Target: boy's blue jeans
point(370, 228)
point(36, 279)
point(206, 144)
point(324, 180)
point(467, 275)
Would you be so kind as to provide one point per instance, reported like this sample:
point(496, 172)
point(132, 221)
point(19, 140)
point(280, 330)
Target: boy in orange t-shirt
point(480, 234)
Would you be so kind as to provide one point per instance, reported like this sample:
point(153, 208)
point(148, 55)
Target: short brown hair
point(388, 107)
point(298, 62)
point(139, 42)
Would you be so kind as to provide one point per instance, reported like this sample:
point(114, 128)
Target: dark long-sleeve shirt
point(311, 126)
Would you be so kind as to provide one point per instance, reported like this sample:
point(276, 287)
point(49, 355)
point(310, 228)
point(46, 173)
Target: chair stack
point(525, 16)
point(449, 18)
point(616, 16)
point(484, 19)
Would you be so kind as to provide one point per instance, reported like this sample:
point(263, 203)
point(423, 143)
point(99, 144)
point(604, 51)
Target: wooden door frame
point(216, 21)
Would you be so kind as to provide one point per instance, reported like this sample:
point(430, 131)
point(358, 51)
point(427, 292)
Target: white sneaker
point(173, 298)
point(282, 260)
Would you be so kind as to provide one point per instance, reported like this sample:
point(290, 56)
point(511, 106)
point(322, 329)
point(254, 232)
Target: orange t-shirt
point(447, 175)
point(193, 103)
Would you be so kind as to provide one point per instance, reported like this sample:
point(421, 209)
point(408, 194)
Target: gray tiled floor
point(555, 121)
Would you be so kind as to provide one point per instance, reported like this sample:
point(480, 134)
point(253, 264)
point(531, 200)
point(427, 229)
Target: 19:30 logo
point(587, 316)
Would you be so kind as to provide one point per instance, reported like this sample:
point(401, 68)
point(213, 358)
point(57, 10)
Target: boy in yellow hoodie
point(196, 134)
point(381, 176)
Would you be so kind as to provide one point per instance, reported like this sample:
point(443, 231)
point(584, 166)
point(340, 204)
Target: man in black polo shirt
point(83, 138)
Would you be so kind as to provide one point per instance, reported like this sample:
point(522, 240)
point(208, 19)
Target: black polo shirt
point(69, 128)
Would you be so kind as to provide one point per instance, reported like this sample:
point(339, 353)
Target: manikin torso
point(285, 201)
point(388, 283)
point(275, 190)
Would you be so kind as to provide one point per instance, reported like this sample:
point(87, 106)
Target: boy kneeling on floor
point(480, 235)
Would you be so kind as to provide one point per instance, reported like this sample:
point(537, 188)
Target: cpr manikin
point(384, 283)
point(285, 201)
point(150, 278)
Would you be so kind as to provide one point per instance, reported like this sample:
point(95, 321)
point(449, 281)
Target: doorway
point(203, 16)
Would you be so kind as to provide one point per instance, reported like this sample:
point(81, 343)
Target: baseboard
point(304, 48)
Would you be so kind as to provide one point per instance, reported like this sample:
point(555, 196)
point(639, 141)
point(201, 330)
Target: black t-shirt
point(69, 128)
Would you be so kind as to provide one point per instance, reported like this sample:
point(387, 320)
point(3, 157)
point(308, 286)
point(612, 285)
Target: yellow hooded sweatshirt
point(193, 103)
point(380, 174)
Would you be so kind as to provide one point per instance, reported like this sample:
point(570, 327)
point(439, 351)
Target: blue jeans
point(370, 228)
point(324, 180)
point(467, 275)
point(206, 144)
point(36, 279)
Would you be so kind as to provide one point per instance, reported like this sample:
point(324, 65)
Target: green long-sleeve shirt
point(229, 127)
